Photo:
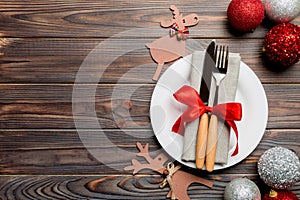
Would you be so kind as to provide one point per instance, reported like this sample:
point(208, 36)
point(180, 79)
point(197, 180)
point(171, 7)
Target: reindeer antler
point(175, 11)
point(156, 164)
point(175, 19)
point(144, 151)
point(182, 22)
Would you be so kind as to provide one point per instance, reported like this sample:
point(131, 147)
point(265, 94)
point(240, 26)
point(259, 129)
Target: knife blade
point(207, 72)
point(208, 66)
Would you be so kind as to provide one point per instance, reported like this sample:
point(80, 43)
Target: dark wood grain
point(109, 187)
point(62, 152)
point(105, 18)
point(47, 60)
point(53, 106)
point(22, 140)
point(34, 139)
point(44, 45)
point(50, 106)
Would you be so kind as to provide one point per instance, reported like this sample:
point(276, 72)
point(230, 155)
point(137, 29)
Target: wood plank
point(50, 106)
point(22, 140)
point(54, 60)
point(105, 18)
point(62, 152)
point(110, 187)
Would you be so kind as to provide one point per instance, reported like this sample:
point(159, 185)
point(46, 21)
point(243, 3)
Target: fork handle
point(212, 139)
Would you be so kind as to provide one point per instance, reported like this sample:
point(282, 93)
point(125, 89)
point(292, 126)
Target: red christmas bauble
point(282, 44)
point(245, 15)
point(280, 195)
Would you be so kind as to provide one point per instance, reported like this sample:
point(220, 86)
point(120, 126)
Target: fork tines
point(222, 58)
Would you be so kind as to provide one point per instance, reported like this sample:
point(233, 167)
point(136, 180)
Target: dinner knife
point(208, 66)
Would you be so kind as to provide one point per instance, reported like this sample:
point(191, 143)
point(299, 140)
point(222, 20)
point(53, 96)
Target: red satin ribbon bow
point(187, 95)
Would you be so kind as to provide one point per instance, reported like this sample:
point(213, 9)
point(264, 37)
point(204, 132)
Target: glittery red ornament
point(282, 44)
point(280, 195)
point(245, 15)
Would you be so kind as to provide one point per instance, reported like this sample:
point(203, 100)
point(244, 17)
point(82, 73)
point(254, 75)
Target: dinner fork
point(219, 73)
point(221, 70)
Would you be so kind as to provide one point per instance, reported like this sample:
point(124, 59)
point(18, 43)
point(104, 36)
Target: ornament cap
point(273, 193)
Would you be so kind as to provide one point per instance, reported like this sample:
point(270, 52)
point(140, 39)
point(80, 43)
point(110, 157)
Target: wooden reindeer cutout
point(178, 180)
point(171, 47)
point(156, 164)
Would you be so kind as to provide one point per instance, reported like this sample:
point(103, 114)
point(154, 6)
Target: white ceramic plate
point(164, 110)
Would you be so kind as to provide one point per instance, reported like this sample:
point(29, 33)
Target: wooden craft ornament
point(156, 164)
point(178, 180)
point(171, 47)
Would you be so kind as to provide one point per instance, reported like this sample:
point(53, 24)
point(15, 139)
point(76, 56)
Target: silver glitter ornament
point(242, 189)
point(281, 11)
point(279, 168)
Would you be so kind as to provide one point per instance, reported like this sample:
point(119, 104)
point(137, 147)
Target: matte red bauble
point(282, 44)
point(245, 15)
point(280, 195)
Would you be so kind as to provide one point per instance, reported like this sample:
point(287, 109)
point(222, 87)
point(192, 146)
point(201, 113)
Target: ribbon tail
point(172, 32)
point(234, 127)
point(178, 126)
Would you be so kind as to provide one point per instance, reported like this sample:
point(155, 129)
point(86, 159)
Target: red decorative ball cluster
point(280, 195)
point(245, 15)
point(282, 44)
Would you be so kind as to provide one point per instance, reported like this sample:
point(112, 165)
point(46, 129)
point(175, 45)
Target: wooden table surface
point(42, 46)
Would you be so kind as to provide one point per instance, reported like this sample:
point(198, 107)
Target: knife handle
point(211, 143)
point(201, 141)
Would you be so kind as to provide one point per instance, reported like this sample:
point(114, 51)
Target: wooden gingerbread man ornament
point(172, 47)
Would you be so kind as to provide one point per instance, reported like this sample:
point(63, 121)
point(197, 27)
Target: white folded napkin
point(227, 93)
